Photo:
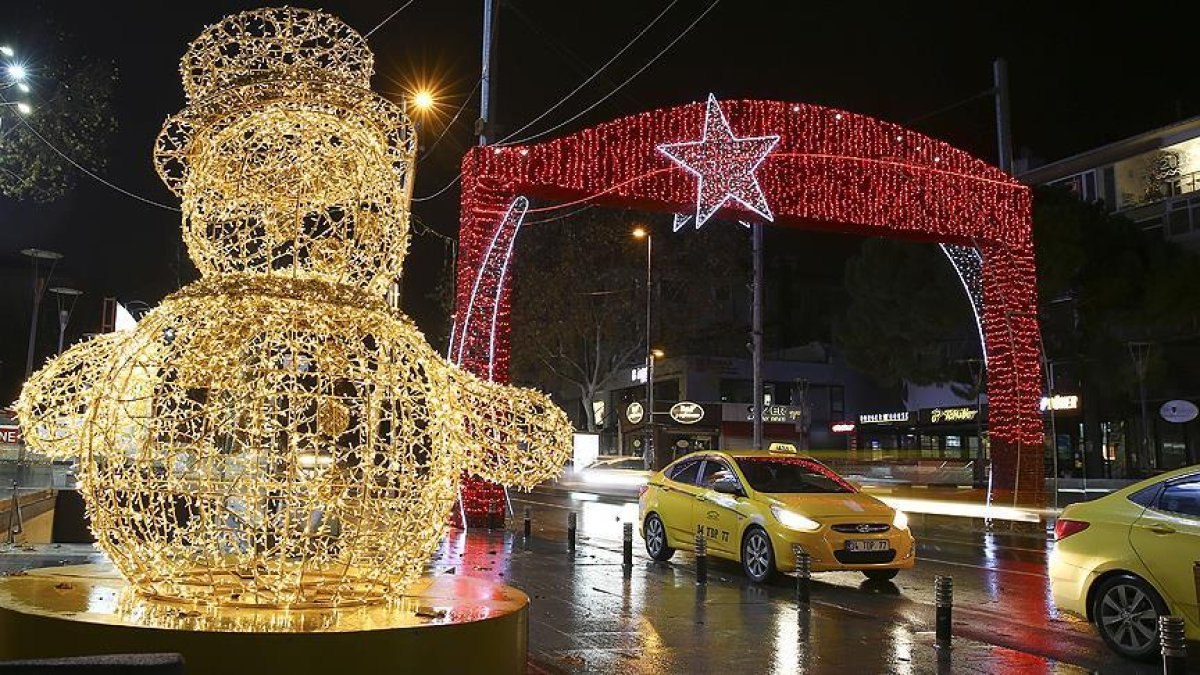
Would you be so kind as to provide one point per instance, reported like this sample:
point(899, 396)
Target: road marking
point(982, 567)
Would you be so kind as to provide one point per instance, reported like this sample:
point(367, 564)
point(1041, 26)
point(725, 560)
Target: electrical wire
point(622, 84)
point(604, 98)
point(389, 18)
point(593, 76)
point(452, 121)
point(93, 175)
point(437, 194)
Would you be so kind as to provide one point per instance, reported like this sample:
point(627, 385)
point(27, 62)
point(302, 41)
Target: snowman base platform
point(443, 624)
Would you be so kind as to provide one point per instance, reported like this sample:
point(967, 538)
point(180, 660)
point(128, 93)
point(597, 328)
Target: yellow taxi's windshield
point(790, 475)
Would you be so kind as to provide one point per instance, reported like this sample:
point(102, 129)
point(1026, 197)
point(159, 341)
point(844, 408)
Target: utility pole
point(1003, 119)
point(484, 123)
point(756, 330)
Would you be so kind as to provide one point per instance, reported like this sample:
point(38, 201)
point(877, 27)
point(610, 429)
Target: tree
point(579, 297)
point(576, 317)
point(71, 98)
point(1103, 283)
point(908, 318)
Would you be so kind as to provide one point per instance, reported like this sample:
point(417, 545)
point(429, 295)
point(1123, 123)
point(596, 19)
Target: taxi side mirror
point(727, 486)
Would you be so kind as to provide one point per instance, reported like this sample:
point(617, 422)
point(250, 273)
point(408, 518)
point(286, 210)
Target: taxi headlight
point(794, 521)
point(900, 520)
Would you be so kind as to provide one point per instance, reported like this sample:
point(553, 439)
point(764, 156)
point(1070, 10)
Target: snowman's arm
point(511, 436)
point(56, 400)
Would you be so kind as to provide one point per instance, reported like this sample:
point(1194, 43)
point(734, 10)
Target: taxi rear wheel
point(758, 557)
point(656, 539)
point(1126, 610)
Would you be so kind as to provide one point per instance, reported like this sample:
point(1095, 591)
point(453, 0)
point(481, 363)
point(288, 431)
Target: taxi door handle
point(701, 498)
point(1160, 529)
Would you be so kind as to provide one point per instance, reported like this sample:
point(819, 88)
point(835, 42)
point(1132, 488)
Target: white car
point(619, 473)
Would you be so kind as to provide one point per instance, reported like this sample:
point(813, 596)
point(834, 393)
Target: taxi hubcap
point(654, 534)
point(1128, 617)
point(756, 554)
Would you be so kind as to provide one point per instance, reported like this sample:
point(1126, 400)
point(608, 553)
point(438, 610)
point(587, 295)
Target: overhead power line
point(620, 86)
point(454, 119)
point(93, 175)
point(604, 98)
point(389, 18)
point(593, 76)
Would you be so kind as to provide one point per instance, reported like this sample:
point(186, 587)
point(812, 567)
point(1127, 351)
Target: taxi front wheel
point(758, 558)
point(656, 539)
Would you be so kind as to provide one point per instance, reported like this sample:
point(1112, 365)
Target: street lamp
point(423, 100)
point(65, 299)
point(648, 454)
point(15, 75)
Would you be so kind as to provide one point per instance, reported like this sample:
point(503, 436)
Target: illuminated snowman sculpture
point(275, 434)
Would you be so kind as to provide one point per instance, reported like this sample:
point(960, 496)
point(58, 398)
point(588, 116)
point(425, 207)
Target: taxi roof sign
point(783, 447)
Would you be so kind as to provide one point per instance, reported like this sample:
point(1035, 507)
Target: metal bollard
point(528, 524)
point(943, 598)
point(1196, 581)
point(627, 548)
point(15, 526)
point(803, 576)
point(571, 521)
point(701, 560)
point(1174, 646)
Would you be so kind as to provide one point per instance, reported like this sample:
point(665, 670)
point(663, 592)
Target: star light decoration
point(275, 434)
point(724, 166)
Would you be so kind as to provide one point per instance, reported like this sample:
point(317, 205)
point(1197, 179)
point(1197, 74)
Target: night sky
point(1080, 76)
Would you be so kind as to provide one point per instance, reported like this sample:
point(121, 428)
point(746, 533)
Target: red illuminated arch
point(830, 170)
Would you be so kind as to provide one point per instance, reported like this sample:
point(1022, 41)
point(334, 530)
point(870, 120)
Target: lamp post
point(649, 452)
point(65, 298)
point(36, 255)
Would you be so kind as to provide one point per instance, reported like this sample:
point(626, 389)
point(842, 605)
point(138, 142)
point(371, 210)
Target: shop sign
point(686, 412)
point(634, 413)
point(1178, 411)
point(885, 418)
point(1059, 402)
point(842, 427)
point(778, 414)
point(946, 415)
point(10, 433)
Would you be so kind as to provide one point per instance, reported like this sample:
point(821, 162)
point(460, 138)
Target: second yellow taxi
point(763, 508)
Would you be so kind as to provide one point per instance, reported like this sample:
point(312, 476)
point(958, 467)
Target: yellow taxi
point(762, 508)
point(1127, 558)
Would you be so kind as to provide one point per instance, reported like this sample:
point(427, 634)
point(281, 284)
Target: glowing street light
point(16, 72)
point(423, 100)
point(7, 51)
point(24, 108)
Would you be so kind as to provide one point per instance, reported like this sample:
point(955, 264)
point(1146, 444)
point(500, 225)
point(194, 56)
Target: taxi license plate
point(866, 545)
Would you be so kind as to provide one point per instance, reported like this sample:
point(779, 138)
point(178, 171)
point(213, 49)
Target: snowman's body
point(275, 434)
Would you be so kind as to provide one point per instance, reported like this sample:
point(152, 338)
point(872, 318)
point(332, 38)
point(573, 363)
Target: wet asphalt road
point(587, 616)
point(1001, 590)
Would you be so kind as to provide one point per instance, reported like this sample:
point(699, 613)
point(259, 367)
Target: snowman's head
point(287, 164)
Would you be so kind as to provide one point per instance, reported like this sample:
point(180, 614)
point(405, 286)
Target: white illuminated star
point(723, 164)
